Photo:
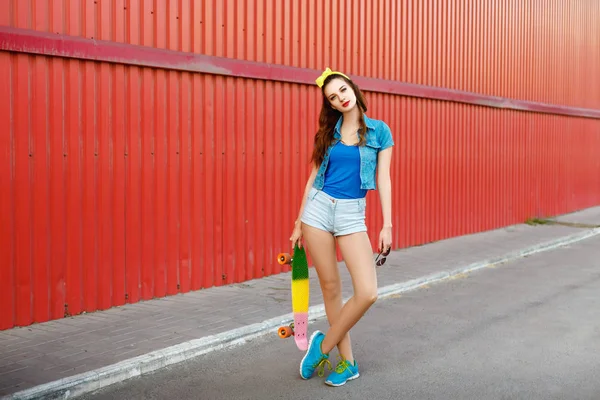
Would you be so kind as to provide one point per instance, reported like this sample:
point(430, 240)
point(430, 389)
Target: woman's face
point(340, 95)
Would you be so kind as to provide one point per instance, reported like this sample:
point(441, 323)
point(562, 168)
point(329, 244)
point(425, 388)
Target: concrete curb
point(93, 380)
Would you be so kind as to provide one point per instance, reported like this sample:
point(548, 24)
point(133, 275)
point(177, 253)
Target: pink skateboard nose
point(300, 328)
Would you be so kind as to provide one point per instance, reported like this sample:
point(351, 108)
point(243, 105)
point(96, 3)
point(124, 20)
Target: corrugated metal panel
point(127, 183)
point(175, 181)
point(509, 49)
point(7, 167)
point(114, 191)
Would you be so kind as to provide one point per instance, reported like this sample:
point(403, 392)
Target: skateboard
point(300, 296)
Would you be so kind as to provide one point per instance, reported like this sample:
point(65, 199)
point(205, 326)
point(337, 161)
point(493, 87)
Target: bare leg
point(322, 246)
point(357, 253)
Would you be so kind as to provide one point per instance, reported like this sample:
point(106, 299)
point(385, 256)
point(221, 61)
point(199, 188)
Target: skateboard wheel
point(285, 332)
point(284, 258)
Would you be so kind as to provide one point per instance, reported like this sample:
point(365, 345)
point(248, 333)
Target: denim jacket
point(378, 137)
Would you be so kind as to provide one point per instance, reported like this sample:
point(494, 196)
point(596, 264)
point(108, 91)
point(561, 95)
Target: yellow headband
point(321, 79)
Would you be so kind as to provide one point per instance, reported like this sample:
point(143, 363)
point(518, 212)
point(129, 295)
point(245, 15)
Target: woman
point(350, 149)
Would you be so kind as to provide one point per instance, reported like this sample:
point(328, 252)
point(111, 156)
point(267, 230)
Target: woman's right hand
point(296, 237)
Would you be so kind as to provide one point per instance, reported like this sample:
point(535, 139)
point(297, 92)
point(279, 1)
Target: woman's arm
point(309, 183)
point(297, 232)
point(384, 183)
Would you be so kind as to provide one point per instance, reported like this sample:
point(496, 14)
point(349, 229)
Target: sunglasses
point(381, 257)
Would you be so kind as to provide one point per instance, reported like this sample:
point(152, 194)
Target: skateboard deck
point(300, 297)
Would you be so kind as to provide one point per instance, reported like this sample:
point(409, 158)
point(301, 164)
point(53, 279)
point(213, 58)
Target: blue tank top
point(342, 178)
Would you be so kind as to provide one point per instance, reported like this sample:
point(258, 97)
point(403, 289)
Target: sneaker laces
point(342, 365)
point(321, 367)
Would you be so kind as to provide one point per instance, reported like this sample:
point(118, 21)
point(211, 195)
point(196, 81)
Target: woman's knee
point(332, 289)
point(366, 297)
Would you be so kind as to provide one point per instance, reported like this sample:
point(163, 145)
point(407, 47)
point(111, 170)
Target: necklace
point(348, 144)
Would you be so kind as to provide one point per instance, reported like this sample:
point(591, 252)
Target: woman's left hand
point(385, 239)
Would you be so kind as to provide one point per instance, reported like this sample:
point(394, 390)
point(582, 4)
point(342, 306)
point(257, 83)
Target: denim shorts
point(338, 216)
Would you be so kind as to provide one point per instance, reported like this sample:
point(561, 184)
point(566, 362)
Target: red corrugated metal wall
point(129, 174)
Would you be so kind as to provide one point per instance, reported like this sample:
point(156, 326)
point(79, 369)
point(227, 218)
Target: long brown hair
point(329, 117)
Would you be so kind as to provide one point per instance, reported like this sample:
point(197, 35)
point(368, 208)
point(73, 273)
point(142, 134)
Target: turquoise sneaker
point(314, 358)
point(343, 373)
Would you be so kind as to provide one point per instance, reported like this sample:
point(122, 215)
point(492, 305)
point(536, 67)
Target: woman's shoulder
point(382, 132)
point(376, 124)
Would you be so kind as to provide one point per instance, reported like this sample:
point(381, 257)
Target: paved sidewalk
point(47, 352)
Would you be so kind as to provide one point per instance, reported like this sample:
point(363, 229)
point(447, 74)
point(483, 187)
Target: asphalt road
point(527, 330)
